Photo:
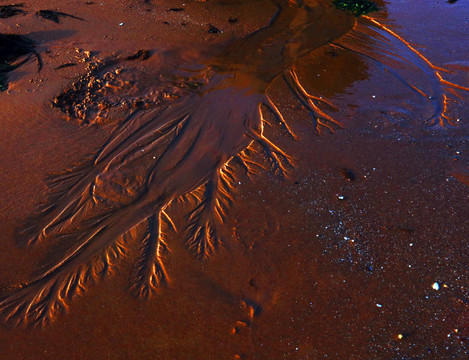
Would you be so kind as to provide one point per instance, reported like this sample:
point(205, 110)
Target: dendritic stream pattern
point(192, 150)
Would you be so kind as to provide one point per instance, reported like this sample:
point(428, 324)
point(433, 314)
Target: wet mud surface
point(209, 180)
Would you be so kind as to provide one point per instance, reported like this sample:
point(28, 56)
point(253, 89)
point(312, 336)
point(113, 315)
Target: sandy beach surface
point(359, 251)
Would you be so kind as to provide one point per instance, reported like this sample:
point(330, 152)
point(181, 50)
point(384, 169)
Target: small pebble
point(347, 174)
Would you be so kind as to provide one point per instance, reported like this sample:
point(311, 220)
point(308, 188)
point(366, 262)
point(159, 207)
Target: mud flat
point(189, 180)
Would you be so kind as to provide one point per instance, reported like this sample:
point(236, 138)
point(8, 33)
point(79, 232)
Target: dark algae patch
point(12, 49)
point(357, 7)
point(54, 15)
point(7, 11)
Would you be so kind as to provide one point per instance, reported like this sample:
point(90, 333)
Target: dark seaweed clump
point(357, 7)
point(12, 48)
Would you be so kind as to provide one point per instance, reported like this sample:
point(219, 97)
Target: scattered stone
point(140, 54)
point(347, 174)
point(106, 93)
point(213, 29)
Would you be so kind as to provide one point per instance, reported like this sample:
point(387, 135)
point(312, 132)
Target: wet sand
point(338, 260)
